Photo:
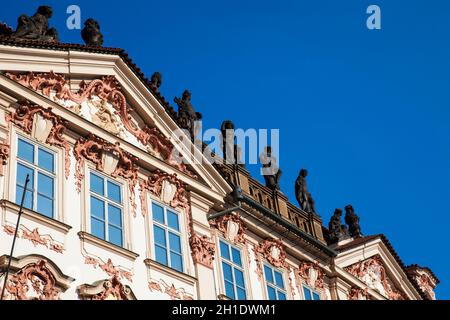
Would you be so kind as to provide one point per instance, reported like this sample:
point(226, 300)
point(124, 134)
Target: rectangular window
point(232, 270)
point(274, 283)
point(39, 163)
point(310, 294)
point(167, 237)
point(106, 209)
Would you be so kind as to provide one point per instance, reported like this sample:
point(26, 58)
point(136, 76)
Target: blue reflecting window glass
point(22, 172)
point(307, 293)
point(316, 296)
point(279, 279)
point(275, 283)
point(232, 272)
point(176, 261)
point(268, 274)
point(158, 213)
point(46, 160)
point(174, 242)
point(106, 209)
point(172, 220)
point(281, 295)
point(271, 293)
point(25, 151)
point(161, 254)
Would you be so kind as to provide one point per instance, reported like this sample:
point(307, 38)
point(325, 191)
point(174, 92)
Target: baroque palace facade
point(109, 214)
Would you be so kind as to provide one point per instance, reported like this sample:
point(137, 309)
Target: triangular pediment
point(123, 107)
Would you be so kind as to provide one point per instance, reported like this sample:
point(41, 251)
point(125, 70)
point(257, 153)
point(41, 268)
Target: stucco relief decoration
point(108, 158)
point(97, 95)
point(202, 249)
point(273, 251)
point(35, 238)
point(426, 281)
point(4, 155)
point(358, 294)
point(109, 268)
point(165, 186)
point(373, 273)
point(231, 226)
point(43, 125)
point(32, 282)
point(173, 292)
point(112, 290)
point(312, 274)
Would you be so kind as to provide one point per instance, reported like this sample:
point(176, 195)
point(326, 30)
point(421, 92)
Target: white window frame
point(274, 286)
point(311, 291)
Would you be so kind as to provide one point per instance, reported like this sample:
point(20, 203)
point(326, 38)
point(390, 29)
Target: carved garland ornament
point(109, 268)
point(171, 291)
point(358, 294)
point(108, 158)
point(372, 272)
point(311, 273)
point(33, 282)
point(44, 125)
point(231, 226)
point(109, 90)
point(4, 155)
point(112, 290)
point(35, 237)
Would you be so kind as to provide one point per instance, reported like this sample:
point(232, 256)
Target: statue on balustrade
point(156, 80)
point(304, 198)
point(232, 153)
point(186, 113)
point(36, 27)
point(91, 33)
point(338, 231)
point(352, 220)
point(270, 169)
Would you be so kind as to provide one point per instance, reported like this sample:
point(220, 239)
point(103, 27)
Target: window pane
point(268, 274)
point(241, 294)
point(158, 213)
point(160, 255)
point(236, 256)
point(114, 192)
point(114, 216)
point(45, 185)
point(97, 208)
point(160, 236)
point(229, 290)
point(97, 184)
point(316, 296)
point(307, 293)
point(25, 151)
point(172, 220)
point(97, 228)
point(239, 277)
point(28, 202)
point(45, 160)
point(279, 279)
point(227, 272)
point(45, 206)
point(22, 172)
point(174, 242)
point(281, 296)
point(271, 293)
point(115, 235)
point(176, 262)
point(224, 251)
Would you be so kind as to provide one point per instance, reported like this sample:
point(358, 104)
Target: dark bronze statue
point(156, 80)
point(36, 27)
point(91, 33)
point(270, 170)
point(304, 198)
point(338, 231)
point(186, 113)
point(352, 220)
point(231, 151)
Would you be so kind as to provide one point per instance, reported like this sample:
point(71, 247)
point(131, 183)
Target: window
point(233, 273)
point(39, 163)
point(167, 237)
point(310, 294)
point(106, 209)
point(274, 283)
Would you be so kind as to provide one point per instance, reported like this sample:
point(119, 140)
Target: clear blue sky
point(366, 112)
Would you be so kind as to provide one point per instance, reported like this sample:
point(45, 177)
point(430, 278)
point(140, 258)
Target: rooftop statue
point(91, 33)
point(271, 171)
point(338, 231)
point(36, 27)
point(186, 113)
point(352, 220)
point(156, 80)
point(230, 148)
point(304, 198)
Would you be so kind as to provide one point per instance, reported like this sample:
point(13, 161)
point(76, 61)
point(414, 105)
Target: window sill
point(170, 272)
point(84, 236)
point(35, 216)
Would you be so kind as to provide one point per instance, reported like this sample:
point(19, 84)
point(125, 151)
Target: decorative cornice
point(24, 118)
point(96, 150)
point(232, 227)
